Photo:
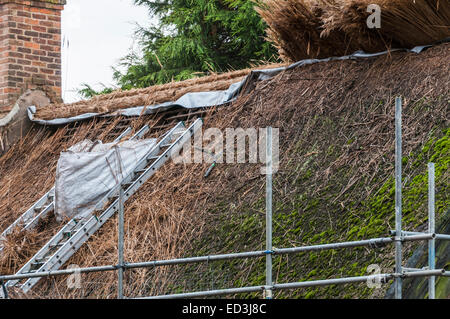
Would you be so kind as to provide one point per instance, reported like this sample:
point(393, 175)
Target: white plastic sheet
point(89, 170)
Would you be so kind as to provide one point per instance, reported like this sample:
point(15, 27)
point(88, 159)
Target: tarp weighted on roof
point(213, 98)
point(89, 170)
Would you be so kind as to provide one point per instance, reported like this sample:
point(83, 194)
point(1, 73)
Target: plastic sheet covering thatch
point(160, 97)
point(188, 101)
point(321, 28)
point(89, 170)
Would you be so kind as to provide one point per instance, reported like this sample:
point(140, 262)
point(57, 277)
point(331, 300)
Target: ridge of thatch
point(322, 28)
point(148, 96)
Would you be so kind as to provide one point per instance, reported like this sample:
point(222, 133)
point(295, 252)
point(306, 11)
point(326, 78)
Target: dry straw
point(177, 206)
point(143, 97)
point(321, 28)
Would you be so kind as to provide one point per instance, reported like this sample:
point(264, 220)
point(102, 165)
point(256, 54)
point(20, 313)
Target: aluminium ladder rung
point(152, 156)
point(93, 224)
point(46, 203)
point(39, 216)
point(126, 185)
point(86, 229)
point(28, 216)
point(45, 250)
point(57, 245)
point(70, 227)
point(38, 263)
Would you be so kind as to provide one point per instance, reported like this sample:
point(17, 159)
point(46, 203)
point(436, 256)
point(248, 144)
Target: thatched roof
point(144, 97)
point(321, 28)
point(172, 209)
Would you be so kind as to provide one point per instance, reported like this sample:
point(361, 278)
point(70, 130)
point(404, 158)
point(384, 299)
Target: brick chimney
point(30, 49)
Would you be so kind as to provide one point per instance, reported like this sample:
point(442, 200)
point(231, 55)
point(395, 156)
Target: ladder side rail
point(28, 218)
point(140, 134)
point(56, 239)
point(44, 250)
point(41, 215)
point(94, 223)
point(174, 148)
point(122, 135)
point(141, 164)
point(28, 215)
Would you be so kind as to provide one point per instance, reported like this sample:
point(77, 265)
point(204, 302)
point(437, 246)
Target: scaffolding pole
point(398, 237)
point(384, 278)
point(4, 289)
point(398, 197)
point(269, 164)
point(371, 243)
point(431, 230)
point(120, 245)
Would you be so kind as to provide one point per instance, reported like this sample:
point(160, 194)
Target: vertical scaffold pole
point(120, 244)
point(398, 197)
point(269, 167)
point(431, 230)
point(4, 291)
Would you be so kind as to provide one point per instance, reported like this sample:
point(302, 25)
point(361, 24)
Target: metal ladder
point(76, 232)
point(46, 204)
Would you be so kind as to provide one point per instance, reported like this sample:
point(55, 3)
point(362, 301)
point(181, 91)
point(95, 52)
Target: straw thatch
point(322, 28)
point(144, 97)
point(176, 206)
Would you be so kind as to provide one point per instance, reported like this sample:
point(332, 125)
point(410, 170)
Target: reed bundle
point(144, 97)
point(322, 28)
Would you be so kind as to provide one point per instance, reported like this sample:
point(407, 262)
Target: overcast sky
point(99, 33)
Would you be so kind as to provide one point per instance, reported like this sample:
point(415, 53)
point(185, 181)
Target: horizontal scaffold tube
point(374, 243)
point(383, 278)
point(58, 273)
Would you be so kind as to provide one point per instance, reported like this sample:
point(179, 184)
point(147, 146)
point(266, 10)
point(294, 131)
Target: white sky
point(100, 32)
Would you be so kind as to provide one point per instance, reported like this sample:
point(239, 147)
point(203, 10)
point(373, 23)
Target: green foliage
point(193, 38)
point(86, 91)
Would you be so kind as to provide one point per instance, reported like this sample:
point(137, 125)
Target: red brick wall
point(30, 48)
